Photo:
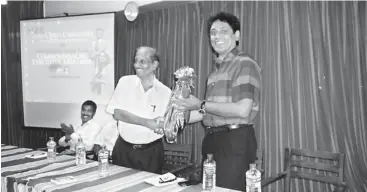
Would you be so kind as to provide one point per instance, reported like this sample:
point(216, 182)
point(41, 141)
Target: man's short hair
point(229, 18)
point(154, 56)
point(90, 103)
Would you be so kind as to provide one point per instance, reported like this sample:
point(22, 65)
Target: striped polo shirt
point(237, 77)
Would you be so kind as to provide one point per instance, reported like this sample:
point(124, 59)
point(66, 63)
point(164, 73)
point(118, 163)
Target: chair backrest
point(319, 166)
point(176, 156)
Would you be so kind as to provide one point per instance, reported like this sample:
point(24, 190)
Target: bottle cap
point(252, 166)
point(210, 156)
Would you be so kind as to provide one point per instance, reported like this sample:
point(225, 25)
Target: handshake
point(156, 125)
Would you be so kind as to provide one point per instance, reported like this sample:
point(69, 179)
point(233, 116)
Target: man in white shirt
point(138, 102)
point(87, 130)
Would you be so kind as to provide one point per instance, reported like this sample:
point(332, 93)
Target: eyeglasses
point(141, 61)
point(221, 32)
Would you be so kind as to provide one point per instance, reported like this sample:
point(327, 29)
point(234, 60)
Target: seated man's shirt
point(108, 135)
point(130, 96)
point(88, 132)
point(238, 77)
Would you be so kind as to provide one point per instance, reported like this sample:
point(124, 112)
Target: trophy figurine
point(173, 118)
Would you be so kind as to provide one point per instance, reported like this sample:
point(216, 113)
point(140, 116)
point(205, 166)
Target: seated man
point(87, 130)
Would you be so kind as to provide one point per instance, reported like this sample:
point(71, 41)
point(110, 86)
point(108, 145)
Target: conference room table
point(21, 173)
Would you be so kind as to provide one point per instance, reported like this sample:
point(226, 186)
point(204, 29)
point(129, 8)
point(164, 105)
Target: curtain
point(12, 130)
point(313, 56)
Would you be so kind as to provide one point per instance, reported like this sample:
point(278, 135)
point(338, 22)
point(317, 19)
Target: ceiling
point(58, 8)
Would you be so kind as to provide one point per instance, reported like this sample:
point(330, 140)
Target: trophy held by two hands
point(174, 119)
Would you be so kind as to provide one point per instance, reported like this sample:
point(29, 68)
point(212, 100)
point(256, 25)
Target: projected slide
point(66, 61)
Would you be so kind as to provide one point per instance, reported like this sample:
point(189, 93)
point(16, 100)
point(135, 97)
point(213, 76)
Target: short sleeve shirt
point(129, 95)
point(238, 77)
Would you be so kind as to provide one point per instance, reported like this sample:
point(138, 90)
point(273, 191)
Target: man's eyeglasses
point(221, 32)
point(141, 61)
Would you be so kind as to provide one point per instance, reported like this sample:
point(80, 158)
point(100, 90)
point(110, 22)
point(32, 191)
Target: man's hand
point(160, 122)
point(115, 116)
point(156, 125)
point(67, 129)
point(187, 104)
point(67, 137)
point(96, 148)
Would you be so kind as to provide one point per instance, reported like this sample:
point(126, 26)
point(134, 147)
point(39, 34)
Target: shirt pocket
point(158, 105)
point(219, 77)
point(219, 87)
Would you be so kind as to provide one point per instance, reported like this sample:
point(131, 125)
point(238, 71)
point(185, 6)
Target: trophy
point(175, 119)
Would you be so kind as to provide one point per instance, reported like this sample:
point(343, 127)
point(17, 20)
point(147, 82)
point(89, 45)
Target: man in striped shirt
point(231, 104)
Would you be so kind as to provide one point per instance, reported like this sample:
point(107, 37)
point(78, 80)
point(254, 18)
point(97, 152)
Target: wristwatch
point(202, 107)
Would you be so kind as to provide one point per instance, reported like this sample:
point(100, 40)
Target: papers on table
point(63, 180)
point(37, 155)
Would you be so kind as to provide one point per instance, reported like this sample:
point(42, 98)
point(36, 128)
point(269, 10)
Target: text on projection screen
point(66, 61)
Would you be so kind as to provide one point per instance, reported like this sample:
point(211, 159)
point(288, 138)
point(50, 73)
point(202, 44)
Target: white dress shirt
point(108, 135)
point(88, 132)
point(129, 95)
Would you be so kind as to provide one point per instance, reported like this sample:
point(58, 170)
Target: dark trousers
point(150, 158)
point(233, 151)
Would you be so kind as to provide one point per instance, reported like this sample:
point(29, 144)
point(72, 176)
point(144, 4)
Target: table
point(19, 173)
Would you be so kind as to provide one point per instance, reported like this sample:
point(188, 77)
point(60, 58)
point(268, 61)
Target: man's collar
point(87, 123)
point(229, 56)
point(154, 86)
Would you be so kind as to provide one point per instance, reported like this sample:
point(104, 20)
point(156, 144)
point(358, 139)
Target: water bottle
point(103, 166)
point(209, 175)
point(253, 179)
point(80, 155)
point(51, 150)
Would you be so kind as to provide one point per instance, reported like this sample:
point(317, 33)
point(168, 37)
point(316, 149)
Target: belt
point(142, 146)
point(226, 128)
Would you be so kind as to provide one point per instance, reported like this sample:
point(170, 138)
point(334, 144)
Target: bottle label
point(50, 150)
point(254, 187)
point(82, 154)
point(253, 180)
point(104, 160)
point(209, 177)
point(209, 169)
point(105, 155)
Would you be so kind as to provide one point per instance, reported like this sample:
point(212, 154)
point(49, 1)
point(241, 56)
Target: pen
point(153, 107)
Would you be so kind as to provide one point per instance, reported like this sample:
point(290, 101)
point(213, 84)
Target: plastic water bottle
point(103, 166)
point(80, 155)
point(253, 179)
point(51, 150)
point(209, 174)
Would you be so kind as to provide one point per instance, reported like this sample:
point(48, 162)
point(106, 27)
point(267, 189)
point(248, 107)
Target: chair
point(176, 157)
point(318, 166)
